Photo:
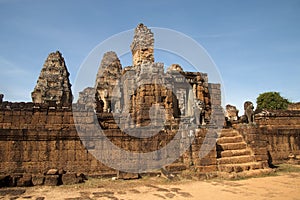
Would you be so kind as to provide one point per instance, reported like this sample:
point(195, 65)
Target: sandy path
point(285, 186)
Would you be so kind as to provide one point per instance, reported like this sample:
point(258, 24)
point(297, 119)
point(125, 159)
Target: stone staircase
point(235, 159)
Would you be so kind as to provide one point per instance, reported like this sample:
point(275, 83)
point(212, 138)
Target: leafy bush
point(271, 101)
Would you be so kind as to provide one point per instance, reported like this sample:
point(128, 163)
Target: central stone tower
point(142, 46)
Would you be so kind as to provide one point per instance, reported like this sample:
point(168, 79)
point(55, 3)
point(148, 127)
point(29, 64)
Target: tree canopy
point(272, 101)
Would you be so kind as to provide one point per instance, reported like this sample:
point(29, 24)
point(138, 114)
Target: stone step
point(229, 133)
point(231, 153)
point(235, 160)
point(230, 168)
point(176, 167)
point(244, 174)
point(231, 146)
point(235, 139)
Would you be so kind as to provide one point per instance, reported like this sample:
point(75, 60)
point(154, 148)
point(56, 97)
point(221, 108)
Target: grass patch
point(287, 168)
point(280, 169)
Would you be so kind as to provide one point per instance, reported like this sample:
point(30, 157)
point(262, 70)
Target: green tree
point(272, 101)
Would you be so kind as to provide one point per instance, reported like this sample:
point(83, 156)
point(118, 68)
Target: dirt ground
point(282, 186)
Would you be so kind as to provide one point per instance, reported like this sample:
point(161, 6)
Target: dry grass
point(287, 168)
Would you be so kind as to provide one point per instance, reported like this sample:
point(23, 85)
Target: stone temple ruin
point(41, 141)
point(141, 84)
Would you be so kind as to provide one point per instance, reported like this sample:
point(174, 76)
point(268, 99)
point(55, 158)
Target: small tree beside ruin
point(272, 101)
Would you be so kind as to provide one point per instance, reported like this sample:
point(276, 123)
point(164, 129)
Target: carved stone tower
point(107, 79)
point(53, 83)
point(142, 46)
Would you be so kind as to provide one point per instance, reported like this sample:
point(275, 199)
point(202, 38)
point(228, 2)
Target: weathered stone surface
point(87, 97)
point(291, 106)
point(249, 113)
point(235, 157)
point(127, 176)
point(1, 98)
point(232, 113)
point(25, 181)
point(38, 179)
point(175, 67)
point(142, 46)
point(53, 84)
point(14, 179)
point(70, 179)
point(51, 180)
point(107, 80)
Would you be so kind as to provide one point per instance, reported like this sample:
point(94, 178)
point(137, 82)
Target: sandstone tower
point(107, 79)
point(53, 83)
point(142, 46)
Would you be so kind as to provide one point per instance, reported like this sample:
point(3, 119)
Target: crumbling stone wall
point(294, 106)
point(275, 136)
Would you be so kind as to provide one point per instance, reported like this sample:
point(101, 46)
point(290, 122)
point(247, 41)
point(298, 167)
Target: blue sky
point(255, 44)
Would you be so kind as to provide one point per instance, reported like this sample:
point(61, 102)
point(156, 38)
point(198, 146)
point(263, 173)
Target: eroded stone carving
point(231, 113)
point(200, 112)
point(53, 83)
point(249, 113)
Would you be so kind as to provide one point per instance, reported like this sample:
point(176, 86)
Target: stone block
point(70, 179)
point(207, 161)
point(38, 179)
point(127, 176)
point(207, 169)
point(176, 167)
point(25, 181)
point(43, 156)
point(51, 180)
point(14, 179)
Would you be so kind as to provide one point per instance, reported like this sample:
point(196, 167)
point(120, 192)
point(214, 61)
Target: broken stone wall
point(275, 137)
point(294, 106)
